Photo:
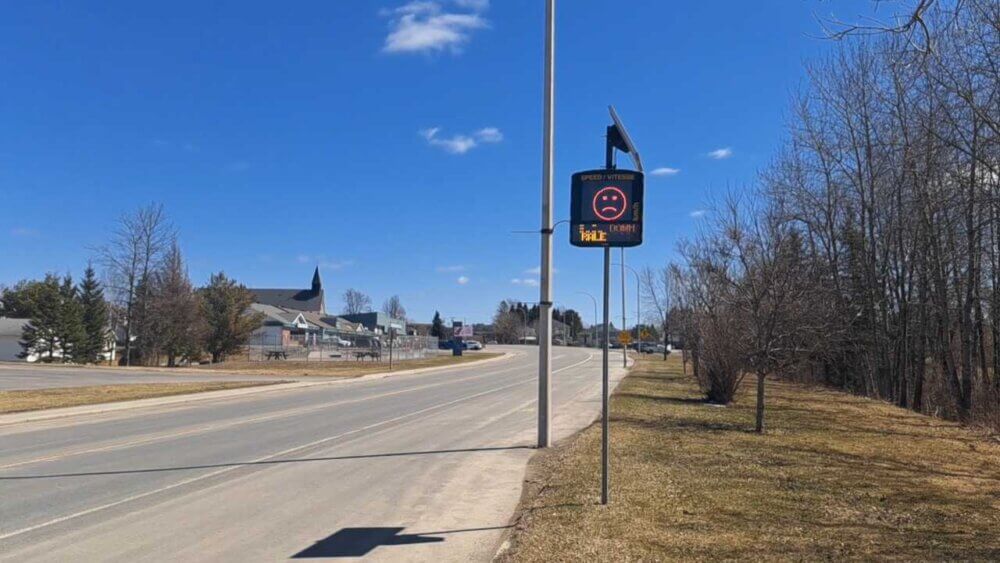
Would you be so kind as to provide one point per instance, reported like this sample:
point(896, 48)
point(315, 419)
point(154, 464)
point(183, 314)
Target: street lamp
point(638, 310)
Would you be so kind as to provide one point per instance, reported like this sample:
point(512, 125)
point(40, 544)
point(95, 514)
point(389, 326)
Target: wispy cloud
point(422, 26)
point(460, 143)
point(324, 262)
point(462, 280)
point(529, 282)
point(720, 154)
point(24, 232)
point(238, 166)
point(665, 171)
point(697, 213)
point(449, 269)
point(335, 264)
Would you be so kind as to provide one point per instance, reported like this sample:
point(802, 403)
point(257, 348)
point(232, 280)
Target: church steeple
point(317, 284)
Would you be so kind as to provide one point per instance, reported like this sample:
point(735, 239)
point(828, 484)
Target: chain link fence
point(333, 347)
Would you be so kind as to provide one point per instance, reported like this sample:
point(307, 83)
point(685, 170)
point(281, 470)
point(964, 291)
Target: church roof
point(298, 299)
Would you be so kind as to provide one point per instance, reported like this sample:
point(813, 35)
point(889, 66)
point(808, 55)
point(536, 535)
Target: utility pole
point(545, 292)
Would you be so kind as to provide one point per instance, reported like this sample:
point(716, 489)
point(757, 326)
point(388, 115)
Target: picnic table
point(362, 354)
point(277, 354)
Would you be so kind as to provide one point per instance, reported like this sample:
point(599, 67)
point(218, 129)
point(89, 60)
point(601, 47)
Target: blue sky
point(395, 144)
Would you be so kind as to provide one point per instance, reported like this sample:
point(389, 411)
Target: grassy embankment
point(37, 399)
point(836, 476)
point(341, 368)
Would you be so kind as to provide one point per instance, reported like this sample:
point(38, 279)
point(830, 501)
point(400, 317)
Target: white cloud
point(303, 259)
point(529, 282)
point(489, 135)
point(447, 269)
point(720, 154)
point(459, 143)
point(697, 213)
point(462, 280)
point(426, 26)
point(665, 171)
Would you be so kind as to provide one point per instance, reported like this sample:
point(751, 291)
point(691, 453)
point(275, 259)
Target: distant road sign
point(463, 331)
point(606, 208)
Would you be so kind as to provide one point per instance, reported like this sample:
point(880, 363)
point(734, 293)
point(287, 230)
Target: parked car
point(473, 345)
point(342, 343)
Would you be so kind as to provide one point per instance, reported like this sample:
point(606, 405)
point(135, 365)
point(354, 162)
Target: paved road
point(14, 376)
point(420, 467)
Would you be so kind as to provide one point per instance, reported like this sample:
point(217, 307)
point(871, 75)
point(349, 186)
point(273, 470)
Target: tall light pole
point(545, 292)
point(638, 310)
point(594, 325)
point(624, 346)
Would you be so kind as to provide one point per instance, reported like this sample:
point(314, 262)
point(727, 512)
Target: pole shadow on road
point(358, 542)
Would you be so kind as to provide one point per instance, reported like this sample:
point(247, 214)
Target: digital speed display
point(606, 208)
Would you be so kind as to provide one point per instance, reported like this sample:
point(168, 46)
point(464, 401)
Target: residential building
point(377, 322)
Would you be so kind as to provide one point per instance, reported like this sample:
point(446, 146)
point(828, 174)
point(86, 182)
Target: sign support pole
point(545, 277)
point(605, 385)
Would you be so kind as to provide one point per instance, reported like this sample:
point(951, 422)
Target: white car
point(341, 342)
point(473, 345)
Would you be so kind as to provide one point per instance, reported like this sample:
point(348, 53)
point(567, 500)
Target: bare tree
point(135, 251)
point(655, 285)
point(393, 307)
point(356, 302)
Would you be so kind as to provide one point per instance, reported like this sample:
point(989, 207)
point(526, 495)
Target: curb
point(99, 408)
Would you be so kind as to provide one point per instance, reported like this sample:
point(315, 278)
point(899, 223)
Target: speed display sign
point(606, 208)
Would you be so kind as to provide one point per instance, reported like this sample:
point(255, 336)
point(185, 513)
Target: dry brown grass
point(836, 477)
point(342, 368)
point(37, 399)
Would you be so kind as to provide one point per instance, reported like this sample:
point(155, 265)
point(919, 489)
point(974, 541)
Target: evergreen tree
point(177, 311)
point(70, 333)
point(225, 308)
point(437, 326)
point(40, 334)
point(18, 301)
point(95, 318)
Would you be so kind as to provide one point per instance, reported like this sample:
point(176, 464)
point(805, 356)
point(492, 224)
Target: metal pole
point(545, 292)
point(604, 377)
point(638, 316)
point(624, 328)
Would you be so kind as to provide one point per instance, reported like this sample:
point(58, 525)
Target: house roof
point(299, 299)
point(276, 314)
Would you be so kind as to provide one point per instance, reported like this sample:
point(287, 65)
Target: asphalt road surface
point(21, 376)
point(420, 467)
